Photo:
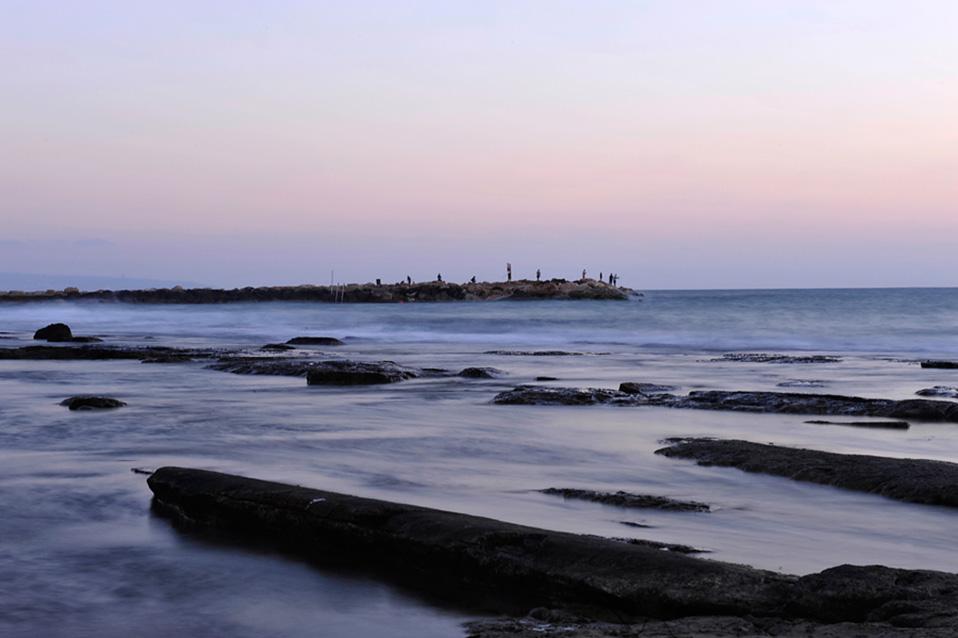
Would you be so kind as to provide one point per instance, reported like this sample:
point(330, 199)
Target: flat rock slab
point(884, 425)
point(632, 387)
point(88, 402)
point(270, 366)
point(97, 353)
point(480, 373)
point(315, 341)
point(514, 564)
point(740, 401)
point(939, 391)
point(763, 357)
point(912, 480)
point(534, 353)
point(626, 499)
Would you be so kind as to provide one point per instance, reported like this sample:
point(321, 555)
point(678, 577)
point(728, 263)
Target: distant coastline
point(424, 292)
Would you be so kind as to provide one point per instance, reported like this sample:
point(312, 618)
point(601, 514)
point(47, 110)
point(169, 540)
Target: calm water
point(80, 553)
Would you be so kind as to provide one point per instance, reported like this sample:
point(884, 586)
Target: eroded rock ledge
point(912, 480)
point(739, 401)
point(509, 565)
point(351, 293)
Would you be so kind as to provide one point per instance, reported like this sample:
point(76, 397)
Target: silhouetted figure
point(600, 276)
point(610, 279)
point(408, 280)
point(538, 275)
point(583, 274)
point(473, 280)
point(508, 271)
point(379, 282)
point(439, 277)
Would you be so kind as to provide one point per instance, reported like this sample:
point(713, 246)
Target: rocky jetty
point(912, 480)
point(586, 579)
point(432, 291)
point(89, 402)
point(740, 401)
point(626, 499)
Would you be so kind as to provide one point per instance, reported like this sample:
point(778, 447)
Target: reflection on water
point(80, 554)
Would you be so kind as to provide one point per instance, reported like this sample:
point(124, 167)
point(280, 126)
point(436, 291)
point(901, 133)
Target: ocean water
point(81, 554)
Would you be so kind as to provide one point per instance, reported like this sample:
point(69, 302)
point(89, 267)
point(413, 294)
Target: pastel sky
point(683, 144)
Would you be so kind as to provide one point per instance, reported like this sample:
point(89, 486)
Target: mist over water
point(82, 555)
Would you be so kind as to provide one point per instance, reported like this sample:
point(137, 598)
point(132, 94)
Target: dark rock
point(79, 353)
point(534, 353)
point(630, 387)
point(92, 403)
point(635, 524)
point(54, 332)
point(584, 578)
point(888, 425)
point(946, 365)
point(939, 391)
point(913, 480)
point(546, 395)
point(277, 347)
point(802, 383)
point(625, 499)
point(480, 373)
point(168, 358)
point(547, 378)
point(140, 470)
point(357, 373)
point(741, 401)
point(315, 341)
point(762, 357)
point(824, 404)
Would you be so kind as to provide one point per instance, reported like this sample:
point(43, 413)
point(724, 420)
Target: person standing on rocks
point(583, 274)
point(439, 277)
point(538, 275)
point(473, 280)
point(408, 280)
point(508, 271)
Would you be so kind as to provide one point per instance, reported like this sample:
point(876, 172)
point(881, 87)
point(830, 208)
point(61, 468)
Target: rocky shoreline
point(433, 291)
point(592, 585)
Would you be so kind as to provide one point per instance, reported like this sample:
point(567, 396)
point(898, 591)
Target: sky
point(681, 144)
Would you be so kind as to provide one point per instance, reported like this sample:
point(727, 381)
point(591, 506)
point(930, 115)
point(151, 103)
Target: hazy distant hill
point(34, 281)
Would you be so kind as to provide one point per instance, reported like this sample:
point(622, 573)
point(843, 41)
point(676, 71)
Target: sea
point(81, 553)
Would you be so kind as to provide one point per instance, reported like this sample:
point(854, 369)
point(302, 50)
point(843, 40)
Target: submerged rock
point(315, 341)
point(89, 402)
point(626, 499)
point(668, 547)
point(86, 353)
point(762, 357)
point(271, 366)
point(548, 395)
point(913, 480)
point(939, 391)
point(802, 383)
point(276, 347)
point(339, 372)
point(888, 425)
point(54, 332)
point(534, 353)
point(585, 578)
point(545, 378)
point(946, 365)
point(480, 373)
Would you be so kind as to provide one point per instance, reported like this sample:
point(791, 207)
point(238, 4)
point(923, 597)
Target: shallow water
point(80, 553)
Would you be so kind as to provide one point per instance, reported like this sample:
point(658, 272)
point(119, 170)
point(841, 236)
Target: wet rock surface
point(59, 333)
point(534, 353)
point(666, 547)
point(270, 366)
point(480, 373)
point(763, 357)
point(588, 581)
point(90, 402)
point(91, 353)
point(339, 372)
point(277, 347)
point(315, 341)
point(626, 499)
point(741, 401)
point(939, 391)
point(886, 425)
point(631, 387)
point(912, 480)
point(802, 383)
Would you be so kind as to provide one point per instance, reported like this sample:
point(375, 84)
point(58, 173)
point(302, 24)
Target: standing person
point(600, 277)
point(408, 280)
point(538, 275)
point(610, 279)
point(508, 271)
point(583, 274)
point(473, 280)
point(439, 277)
